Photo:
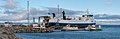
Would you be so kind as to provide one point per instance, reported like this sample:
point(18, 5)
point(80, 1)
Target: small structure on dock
point(8, 24)
point(39, 27)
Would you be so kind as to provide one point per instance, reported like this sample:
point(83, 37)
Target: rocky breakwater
point(7, 33)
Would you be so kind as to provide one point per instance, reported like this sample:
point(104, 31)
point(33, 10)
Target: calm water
point(109, 32)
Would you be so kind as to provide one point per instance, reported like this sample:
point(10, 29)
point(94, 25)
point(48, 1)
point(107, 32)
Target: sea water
point(109, 32)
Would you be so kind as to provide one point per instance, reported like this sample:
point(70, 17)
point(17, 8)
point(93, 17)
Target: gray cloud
point(35, 12)
point(10, 4)
point(109, 2)
point(12, 13)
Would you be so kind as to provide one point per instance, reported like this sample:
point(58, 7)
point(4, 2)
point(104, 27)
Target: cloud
point(8, 17)
point(13, 13)
point(68, 12)
point(21, 14)
point(10, 4)
point(34, 12)
point(109, 2)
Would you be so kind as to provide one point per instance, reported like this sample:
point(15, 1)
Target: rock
point(18, 38)
point(7, 33)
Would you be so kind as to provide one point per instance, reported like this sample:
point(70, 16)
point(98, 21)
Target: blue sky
point(95, 6)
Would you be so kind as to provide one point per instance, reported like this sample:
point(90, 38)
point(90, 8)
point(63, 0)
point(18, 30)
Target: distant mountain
point(106, 16)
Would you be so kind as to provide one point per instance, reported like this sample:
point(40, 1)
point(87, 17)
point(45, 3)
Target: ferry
point(80, 21)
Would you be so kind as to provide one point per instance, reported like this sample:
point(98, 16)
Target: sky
point(94, 6)
point(16, 9)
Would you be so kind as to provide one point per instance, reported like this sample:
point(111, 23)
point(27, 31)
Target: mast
point(33, 20)
point(58, 14)
point(28, 11)
point(58, 9)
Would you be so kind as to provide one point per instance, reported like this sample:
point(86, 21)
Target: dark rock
point(7, 33)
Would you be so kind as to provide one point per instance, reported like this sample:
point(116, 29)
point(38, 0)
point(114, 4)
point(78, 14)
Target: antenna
point(28, 11)
point(88, 11)
point(58, 9)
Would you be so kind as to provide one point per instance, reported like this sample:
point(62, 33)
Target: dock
point(32, 30)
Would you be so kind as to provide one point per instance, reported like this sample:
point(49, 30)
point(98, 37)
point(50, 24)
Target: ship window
point(83, 16)
point(89, 15)
point(79, 18)
point(69, 18)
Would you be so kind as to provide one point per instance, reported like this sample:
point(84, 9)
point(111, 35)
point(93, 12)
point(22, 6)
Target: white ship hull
point(80, 24)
